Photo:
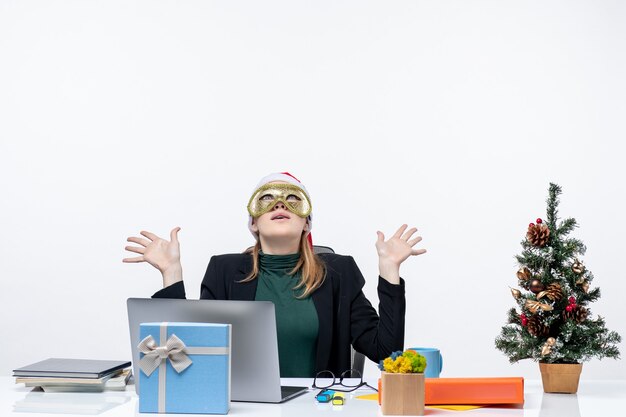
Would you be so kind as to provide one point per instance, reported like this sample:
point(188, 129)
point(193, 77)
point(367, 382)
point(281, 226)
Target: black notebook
point(71, 368)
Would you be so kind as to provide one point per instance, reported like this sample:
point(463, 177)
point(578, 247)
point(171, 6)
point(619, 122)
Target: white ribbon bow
point(174, 350)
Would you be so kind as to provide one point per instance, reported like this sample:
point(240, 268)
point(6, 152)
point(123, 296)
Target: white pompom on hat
point(290, 179)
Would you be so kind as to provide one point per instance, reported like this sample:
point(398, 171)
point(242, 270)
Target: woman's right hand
point(162, 254)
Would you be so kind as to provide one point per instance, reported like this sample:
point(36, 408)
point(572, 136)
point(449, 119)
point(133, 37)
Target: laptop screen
point(255, 368)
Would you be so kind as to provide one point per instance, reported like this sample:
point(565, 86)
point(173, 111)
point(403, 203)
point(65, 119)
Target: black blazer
point(345, 316)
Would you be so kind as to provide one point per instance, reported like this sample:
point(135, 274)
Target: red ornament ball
point(569, 308)
point(523, 319)
point(572, 300)
point(539, 221)
point(531, 224)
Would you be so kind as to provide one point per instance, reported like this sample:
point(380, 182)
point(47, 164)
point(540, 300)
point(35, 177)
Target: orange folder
point(469, 391)
point(472, 391)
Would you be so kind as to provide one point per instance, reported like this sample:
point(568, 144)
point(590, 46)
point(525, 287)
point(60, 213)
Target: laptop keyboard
point(286, 391)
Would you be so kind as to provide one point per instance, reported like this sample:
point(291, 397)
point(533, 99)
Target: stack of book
point(74, 375)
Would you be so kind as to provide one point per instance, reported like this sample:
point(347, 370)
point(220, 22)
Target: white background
point(453, 116)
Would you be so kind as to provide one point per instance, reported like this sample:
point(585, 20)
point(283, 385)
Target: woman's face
point(279, 222)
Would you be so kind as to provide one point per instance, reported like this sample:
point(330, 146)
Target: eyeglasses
point(352, 379)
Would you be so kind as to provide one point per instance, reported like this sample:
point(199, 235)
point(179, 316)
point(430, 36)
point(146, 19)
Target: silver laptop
point(255, 370)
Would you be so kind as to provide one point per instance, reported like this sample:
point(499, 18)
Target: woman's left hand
point(395, 250)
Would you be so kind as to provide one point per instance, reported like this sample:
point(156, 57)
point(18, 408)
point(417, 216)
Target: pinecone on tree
point(538, 234)
point(537, 327)
point(553, 291)
point(578, 314)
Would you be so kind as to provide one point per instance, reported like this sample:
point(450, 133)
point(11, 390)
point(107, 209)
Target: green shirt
point(297, 323)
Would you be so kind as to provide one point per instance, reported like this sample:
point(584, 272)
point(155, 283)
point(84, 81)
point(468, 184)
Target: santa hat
point(290, 179)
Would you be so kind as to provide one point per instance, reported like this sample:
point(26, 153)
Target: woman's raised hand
point(395, 250)
point(162, 254)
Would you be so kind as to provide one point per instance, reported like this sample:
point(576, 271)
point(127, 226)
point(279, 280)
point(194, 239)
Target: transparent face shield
point(267, 196)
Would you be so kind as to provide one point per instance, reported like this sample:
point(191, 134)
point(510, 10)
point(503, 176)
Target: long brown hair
point(311, 267)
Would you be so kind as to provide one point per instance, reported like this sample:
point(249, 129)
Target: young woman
point(320, 306)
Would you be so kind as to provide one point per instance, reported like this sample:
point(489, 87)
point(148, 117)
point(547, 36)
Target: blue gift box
point(184, 368)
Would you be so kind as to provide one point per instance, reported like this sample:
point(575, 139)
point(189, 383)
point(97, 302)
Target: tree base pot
point(560, 377)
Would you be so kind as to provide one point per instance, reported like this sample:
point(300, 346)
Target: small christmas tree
point(553, 323)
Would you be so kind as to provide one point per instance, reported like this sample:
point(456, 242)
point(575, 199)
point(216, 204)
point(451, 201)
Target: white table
point(594, 399)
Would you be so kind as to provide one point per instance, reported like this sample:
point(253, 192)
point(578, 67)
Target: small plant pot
point(560, 377)
point(402, 394)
